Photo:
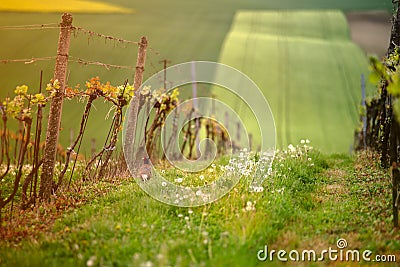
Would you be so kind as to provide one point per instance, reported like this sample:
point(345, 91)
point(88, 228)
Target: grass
point(179, 30)
point(310, 72)
point(309, 202)
point(75, 6)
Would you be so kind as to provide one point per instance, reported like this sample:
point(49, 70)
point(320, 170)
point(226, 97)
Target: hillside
point(310, 72)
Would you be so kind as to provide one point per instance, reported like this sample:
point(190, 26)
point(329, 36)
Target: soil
point(370, 30)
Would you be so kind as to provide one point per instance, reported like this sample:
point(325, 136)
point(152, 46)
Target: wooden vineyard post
point(135, 104)
point(54, 120)
point(238, 128)
point(196, 108)
point(165, 62)
point(395, 185)
point(250, 141)
point(364, 117)
point(140, 63)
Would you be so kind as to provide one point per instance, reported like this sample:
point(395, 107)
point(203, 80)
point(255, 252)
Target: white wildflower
point(250, 206)
point(292, 148)
point(258, 189)
point(91, 261)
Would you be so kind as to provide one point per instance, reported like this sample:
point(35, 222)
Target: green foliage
point(20, 107)
point(387, 73)
point(21, 90)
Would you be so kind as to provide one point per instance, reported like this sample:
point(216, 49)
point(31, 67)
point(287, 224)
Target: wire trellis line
point(106, 37)
point(71, 59)
point(76, 29)
point(27, 60)
point(105, 65)
point(31, 27)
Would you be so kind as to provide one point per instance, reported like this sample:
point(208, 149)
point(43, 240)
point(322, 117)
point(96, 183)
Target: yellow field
point(75, 6)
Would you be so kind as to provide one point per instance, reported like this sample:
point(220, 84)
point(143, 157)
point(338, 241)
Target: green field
point(75, 6)
point(179, 30)
point(310, 72)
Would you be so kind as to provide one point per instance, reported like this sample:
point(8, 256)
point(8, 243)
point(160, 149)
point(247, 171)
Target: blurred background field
point(310, 72)
point(183, 31)
point(76, 6)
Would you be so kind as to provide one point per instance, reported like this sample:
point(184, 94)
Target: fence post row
point(54, 120)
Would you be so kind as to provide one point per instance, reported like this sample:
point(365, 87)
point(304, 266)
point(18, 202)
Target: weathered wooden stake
point(54, 120)
point(164, 142)
point(238, 128)
point(71, 137)
point(135, 104)
point(250, 141)
point(93, 148)
point(140, 63)
point(165, 62)
point(196, 108)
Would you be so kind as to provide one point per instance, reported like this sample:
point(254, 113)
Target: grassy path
point(309, 202)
